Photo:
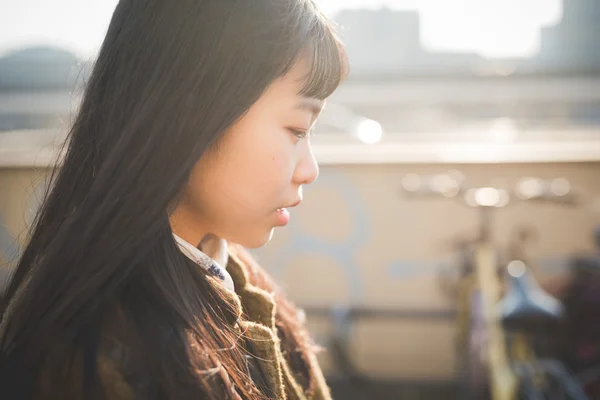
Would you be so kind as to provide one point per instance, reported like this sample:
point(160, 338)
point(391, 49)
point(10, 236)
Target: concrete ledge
point(40, 149)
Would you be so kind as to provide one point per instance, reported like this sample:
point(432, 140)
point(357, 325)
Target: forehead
point(293, 81)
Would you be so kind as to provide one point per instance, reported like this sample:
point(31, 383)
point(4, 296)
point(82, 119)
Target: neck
point(188, 231)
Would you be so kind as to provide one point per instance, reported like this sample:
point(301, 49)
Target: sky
point(492, 28)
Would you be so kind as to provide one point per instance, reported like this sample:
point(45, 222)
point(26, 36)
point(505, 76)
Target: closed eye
point(300, 134)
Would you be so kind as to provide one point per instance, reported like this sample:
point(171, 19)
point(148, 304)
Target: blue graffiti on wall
point(300, 243)
point(345, 252)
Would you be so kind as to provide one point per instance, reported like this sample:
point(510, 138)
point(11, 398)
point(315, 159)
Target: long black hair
point(170, 78)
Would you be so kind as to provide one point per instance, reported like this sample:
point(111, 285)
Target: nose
point(307, 168)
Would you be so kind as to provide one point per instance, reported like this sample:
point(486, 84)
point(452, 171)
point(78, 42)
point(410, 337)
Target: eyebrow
point(315, 106)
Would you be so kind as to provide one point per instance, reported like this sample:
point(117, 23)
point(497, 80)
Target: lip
point(283, 215)
point(295, 204)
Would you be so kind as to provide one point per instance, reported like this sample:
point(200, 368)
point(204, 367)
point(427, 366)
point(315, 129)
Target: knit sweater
point(117, 368)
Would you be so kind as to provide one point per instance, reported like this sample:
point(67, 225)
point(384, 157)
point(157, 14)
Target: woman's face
point(240, 191)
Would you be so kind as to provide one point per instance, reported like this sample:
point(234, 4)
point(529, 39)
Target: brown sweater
point(255, 307)
point(260, 309)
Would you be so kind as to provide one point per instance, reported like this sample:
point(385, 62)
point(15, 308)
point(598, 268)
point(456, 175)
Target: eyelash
point(300, 134)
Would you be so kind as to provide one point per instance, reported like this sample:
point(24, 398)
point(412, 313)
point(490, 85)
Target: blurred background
point(472, 105)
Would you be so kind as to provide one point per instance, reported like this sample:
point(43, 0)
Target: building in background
point(386, 42)
point(393, 80)
point(573, 44)
point(37, 88)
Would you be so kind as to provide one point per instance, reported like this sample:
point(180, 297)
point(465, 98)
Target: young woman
point(191, 141)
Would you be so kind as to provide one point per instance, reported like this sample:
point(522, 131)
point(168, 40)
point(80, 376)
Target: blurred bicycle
point(500, 339)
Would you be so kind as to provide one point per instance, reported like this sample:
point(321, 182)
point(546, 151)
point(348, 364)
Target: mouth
point(292, 205)
point(283, 215)
point(295, 204)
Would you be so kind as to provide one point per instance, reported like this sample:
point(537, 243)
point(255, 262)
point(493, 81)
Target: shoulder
point(98, 364)
point(120, 368)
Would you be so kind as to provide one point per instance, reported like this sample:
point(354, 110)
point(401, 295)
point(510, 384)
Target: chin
point(257, 240)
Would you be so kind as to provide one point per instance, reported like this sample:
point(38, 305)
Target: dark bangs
point(328, 62)
point(311, 35)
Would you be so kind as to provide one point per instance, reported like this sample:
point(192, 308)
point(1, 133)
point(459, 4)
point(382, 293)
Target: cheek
point(262, 163)
point(265, 179)
point(251, 172)
point(243, 185)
